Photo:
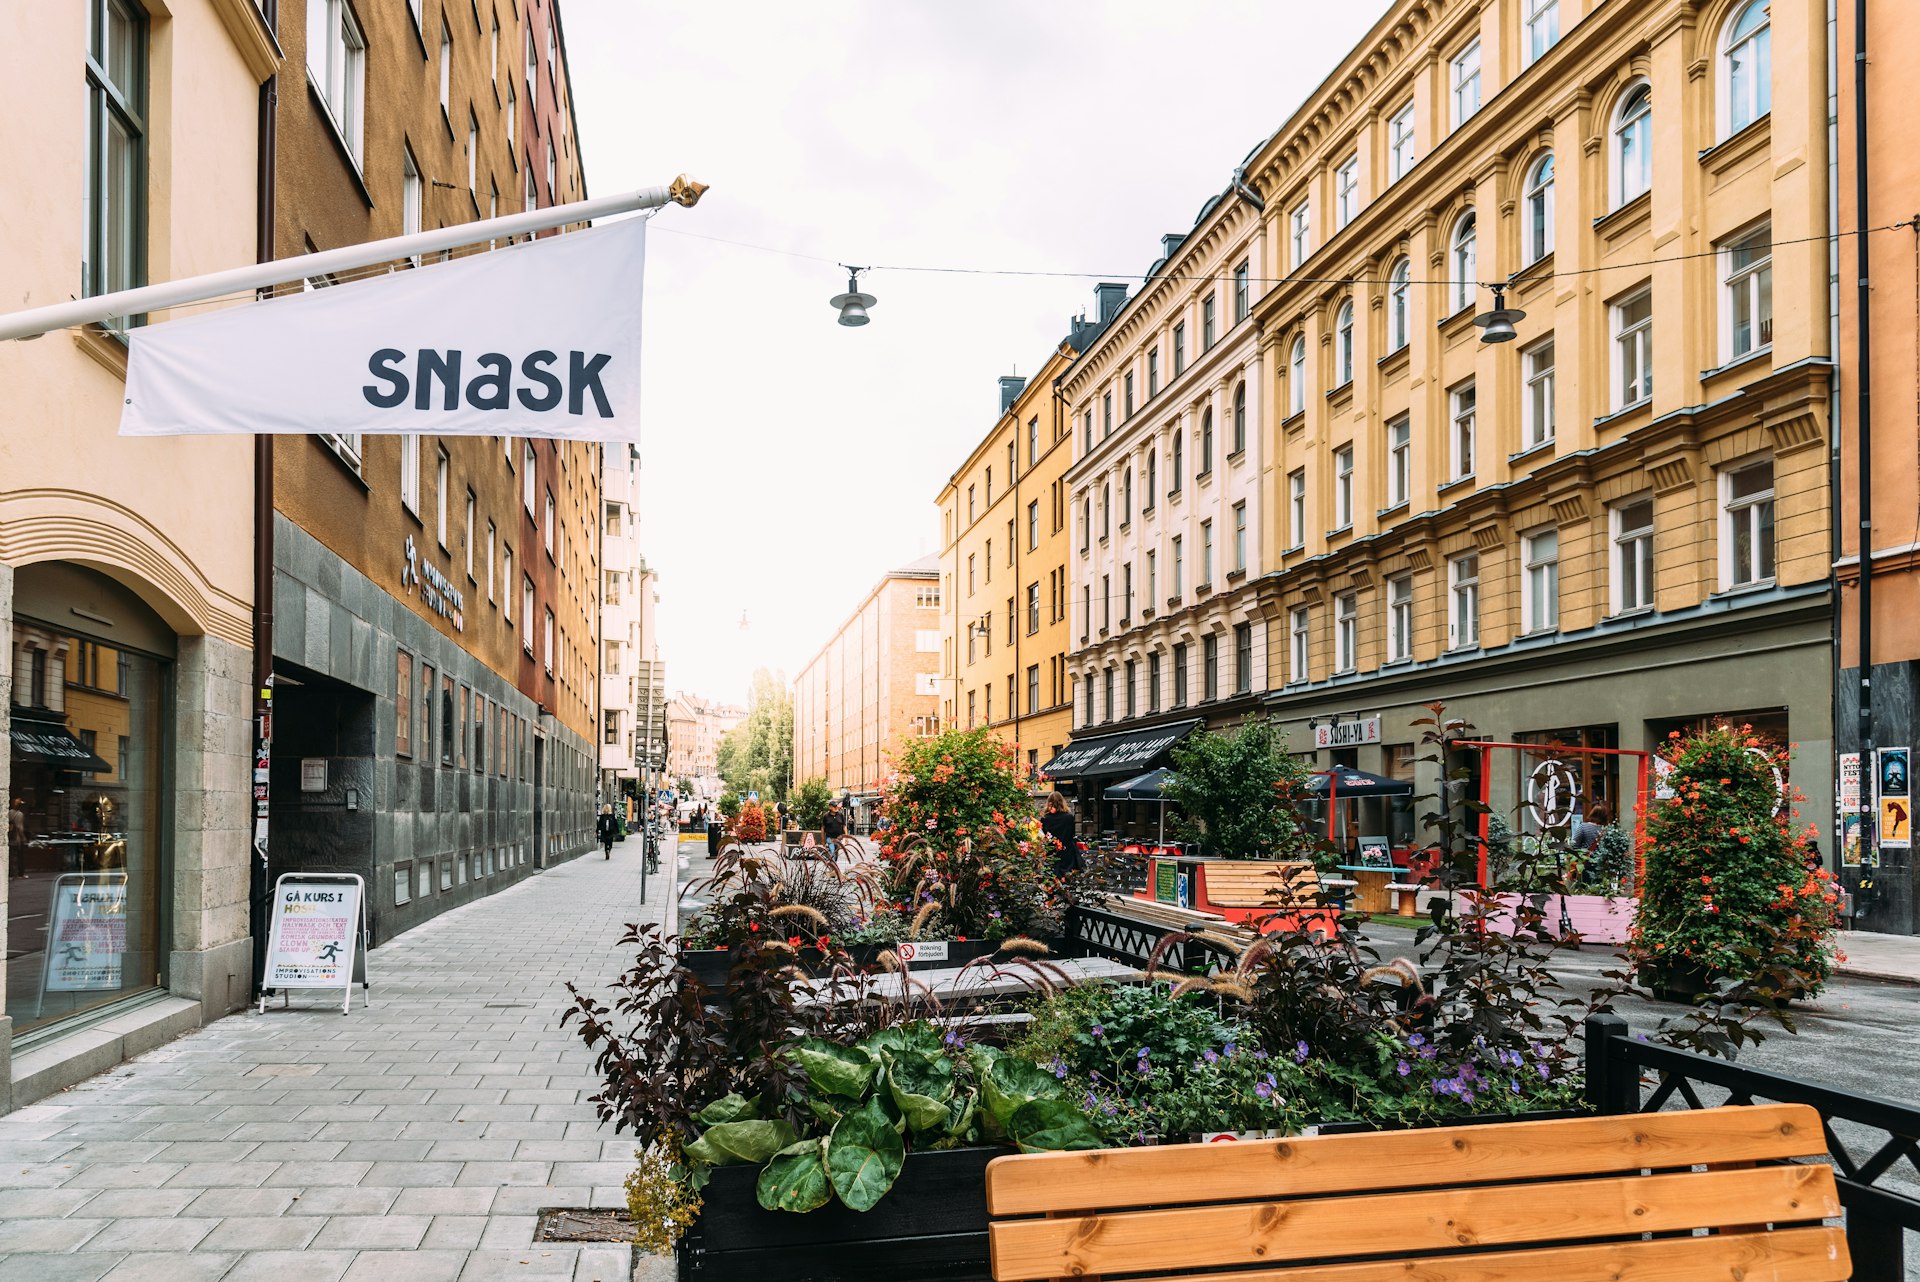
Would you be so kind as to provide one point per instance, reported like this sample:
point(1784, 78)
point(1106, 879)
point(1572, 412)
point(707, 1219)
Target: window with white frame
point(1463, 611)
point(506, 582)
point(1633, 348)
point(1464, 259)
point(1464, 402)
point(1343, 487)
point(1346, 632)
point(1153, 577)
point(1297, 377)
point(1400, 618)
point(1400, 152)
point(493, 536)
point(1300, 230)
point(1297, 648)
point(1208, 330)
point(1746, 67)
point(1177, 459)
point(1632, 523)
point(1399, 461)
point(1536, 401)
point(1543, 28)
point(1346, 192)
point(1343, 344)
point(528, 489)
point(1632, 158)
point(547, 652)
point(1746, 525)
point(1242, 292)
point(1206, 443)
point(1240, 417)
point(1540, 588)
point(1536, 232)
point(468, 541)
point(337, 67)
point(446, 70)
point(1179, 568)
point(526, 614)
point(1240, 537)
point(1297, 507)
point(512, 110)
point(1398, 290)
point(114, 194)
point(410, 472)
point(1206, 552)
point(1464, 79)
point(1746, 264)
point(473, 153)
point(549, 523)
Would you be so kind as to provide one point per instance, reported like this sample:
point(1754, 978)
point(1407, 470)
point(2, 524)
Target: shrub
point(811, 803)
point(729, 805)
point(1728, 893)
point(752, 823)
point(1235, 793)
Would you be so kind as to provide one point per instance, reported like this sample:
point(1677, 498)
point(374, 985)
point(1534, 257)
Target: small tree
point(729, 805)
point(1728, 894)
point(1236, 791)
point(752, 823)
point(811, 802)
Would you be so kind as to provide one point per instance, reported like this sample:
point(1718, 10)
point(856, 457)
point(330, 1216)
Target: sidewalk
point(414, 1139)
point(1871, 956)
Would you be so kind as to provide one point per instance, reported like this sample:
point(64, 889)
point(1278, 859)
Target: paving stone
point(591, 1172)
point(312, 1174)
point(241, 1202)
point(526, 1199)
point(181, 1233)
point(385, 1151)
point(297, 1151)
point(23, 1204)
point(473, 1150)
point(343, 1201)
point(604, 1264)
point(379, 1232)
point(455, 1232)
point(124, 1204)
point(406, 1266)
point(564, 1151)
point(86, 1266)
point(213, 1175)
point(290, 1266)
point(132, 1175)
point(171, 1266)
point(48, 1234)
point(505, 1173)
point(508, 1232)
point(264, 1233)
point(201, 1151)
point(531, 1265)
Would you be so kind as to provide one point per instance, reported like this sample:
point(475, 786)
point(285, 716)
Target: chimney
point(1170, 242)
point(1111, 297)
point(1011, 385)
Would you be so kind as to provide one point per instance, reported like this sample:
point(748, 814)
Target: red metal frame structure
point(1643, 795)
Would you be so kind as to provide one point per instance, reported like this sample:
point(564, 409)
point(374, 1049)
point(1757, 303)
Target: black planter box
point(930, 1227)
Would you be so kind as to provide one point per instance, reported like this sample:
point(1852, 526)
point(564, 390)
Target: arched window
point(1153, 475)
point(1633, 144)
point(1240, 417)
point(1343, 341)
point(1536, 233)
point(1397, 303)
point(1126, 498)
point(1106, 510)
point(1297, 376)
point(1179, 459)
point(1206, 442)
point(1746, 68)
point(1086, 522)
point(1465, 258)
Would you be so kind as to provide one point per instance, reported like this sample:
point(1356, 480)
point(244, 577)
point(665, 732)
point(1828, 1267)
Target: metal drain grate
point(577, 1224)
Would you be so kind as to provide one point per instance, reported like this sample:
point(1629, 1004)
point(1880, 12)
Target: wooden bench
point(1252, 884)
point(1406, 897)
point(1576, 1199)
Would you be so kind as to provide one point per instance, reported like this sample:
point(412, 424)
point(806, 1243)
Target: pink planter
point(1597, 919)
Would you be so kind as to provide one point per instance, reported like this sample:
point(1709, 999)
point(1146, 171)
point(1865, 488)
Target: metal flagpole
point(125, 303)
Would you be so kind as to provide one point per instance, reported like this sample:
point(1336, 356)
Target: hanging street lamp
point(853, 304)
point(1496, 326)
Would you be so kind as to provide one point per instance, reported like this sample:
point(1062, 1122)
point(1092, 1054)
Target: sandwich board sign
point(87, 934)
point(316, 935)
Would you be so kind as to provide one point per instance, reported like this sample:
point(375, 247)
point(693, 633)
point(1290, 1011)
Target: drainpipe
point(262, 692)
point(1246, 192)
point(1863, 426)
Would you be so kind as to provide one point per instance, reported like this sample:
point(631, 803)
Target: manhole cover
point(579, 1225)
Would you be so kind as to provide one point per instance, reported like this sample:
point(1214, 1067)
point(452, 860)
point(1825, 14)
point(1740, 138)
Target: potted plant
point(811, 801)
point(751, 824)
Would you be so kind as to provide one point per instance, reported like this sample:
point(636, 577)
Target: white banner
point(536, 339)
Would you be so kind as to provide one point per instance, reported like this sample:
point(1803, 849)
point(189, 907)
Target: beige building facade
point(125, 565)
point(874, 685)
point(695, 726)
point(1616, 525)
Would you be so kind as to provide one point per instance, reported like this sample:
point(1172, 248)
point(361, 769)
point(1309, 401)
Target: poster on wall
point(1893, 786)
point(1850, 783)
point(1850, 838)
point(86, 933)
point(314, 935)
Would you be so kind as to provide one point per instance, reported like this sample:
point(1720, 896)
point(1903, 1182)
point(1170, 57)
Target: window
point(1346, 632)
point(986, 556)
point(1153, 373)
point(1297, 652)
point(1400, 154)
point(1747, 271)
point(1543, 27)
point(1399, 461)
point(1131, 710)
point(1086, 611)
point(1297, 507)
point(513, 109)
point(547, 635)
point(1033, 688)
point(473, 152)
point(553, 182)
point(1632, 555)
point(1240, 537)
point(1536, 406)
point(1126, 402)
point(526, 615)
point(1464, 76)
point(1086, 444)
point(533, 189)
point(446, 70)
point(1106, 415)
point(1633, 349)
point(1397, 290)
point(1178, 458)
point(506, 582)
point(1206, 553)
point(336, 66)
point(450, 730)
point(1343, 344)
point(1297, 377)
point(1242, 658)
point(1746, 540)
point(526, 478)
point(1033, 525)
point(1346, 192)
point(1464, 257)
point(1633, 145)
point(973, 709)
point(973, 581)
point(1153, 577)
point(402, 705)
point(1206, 442)
point(1540, 554)
point(1746, 68)
point(410, 472)
point(1239, 418)
point(1210, 666)
point(533, 67)
point(1300, 229)
point(1179, 567)
point(1343, 487)
point(1106, 512)
point(1206, 323)
point(972, 509)
point(1106, 603)
point(1086, 524)
point(426, 712)
point(1461, 438)
point(467, 539)
point(1153, 682)
point(493, 52)
point(440, 497)
point(492, 534)
point(1086, 685)
point(1126, 498)
point(1180, 675)
point(1111, 682)
point(1033, 608)
point(1179, 348)
point(1536, 233)
point(1242, 299)
point(1400, 618)
point(1153, 479)
point(1126, 594)
point(1033, 441)
point(1463, 619)
point(549, 523)
point(113, 250)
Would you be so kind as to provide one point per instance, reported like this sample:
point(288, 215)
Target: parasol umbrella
point(1350, 782)
point(1150, 786)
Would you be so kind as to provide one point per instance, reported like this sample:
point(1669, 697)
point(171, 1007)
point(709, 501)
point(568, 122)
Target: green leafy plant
point(1234, 793)
point(811, 801)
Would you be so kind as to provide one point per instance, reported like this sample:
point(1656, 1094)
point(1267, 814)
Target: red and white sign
point(921, 950)
point(1347, 734)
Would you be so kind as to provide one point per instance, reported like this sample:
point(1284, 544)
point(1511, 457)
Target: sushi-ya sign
point(1347, 734)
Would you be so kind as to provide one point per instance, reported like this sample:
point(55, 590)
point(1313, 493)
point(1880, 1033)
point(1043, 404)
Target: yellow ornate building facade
point(1616, 524)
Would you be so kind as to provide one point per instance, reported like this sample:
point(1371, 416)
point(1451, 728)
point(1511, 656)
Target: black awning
point(45, 740)
point(1128, 752)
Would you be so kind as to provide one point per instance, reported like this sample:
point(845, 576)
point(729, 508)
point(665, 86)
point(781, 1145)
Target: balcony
point(616, 690)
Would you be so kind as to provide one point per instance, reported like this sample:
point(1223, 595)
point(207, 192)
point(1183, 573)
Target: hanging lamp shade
point(853, 304)
point(1496, 326)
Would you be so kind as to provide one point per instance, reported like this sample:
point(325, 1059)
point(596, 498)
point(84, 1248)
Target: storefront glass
point(84, 823)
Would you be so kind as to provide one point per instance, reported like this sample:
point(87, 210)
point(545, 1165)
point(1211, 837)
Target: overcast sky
point(786, 461)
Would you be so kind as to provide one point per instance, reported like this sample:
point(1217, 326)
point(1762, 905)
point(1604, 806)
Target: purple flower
point(1263, 1090)
point(1259, 1054)
point(1097, 1031)
point(1300, 1052)
point(1144, 1051)
point(1514, 1082)
point(1416, 1041)
point(1210, 1056)
point(1229, 1048)
point(1545, 1072)
point(1402, 1068)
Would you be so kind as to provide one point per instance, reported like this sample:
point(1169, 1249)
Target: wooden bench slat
point(1030, 1184)
point(1280, 1232)
point(1789, 1255)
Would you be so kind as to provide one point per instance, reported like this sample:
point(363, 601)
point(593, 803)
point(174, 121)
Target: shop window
point(402, 884)
point(1596, 776)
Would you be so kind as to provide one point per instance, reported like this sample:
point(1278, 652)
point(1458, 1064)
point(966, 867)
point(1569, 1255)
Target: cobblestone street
point(416, 1138)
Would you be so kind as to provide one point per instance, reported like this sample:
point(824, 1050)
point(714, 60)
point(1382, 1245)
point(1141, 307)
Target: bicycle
point(653, 848)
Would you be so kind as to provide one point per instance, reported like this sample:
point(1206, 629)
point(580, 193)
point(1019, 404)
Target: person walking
point(607, 829)
point(833, 827)
point(1057, 823)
